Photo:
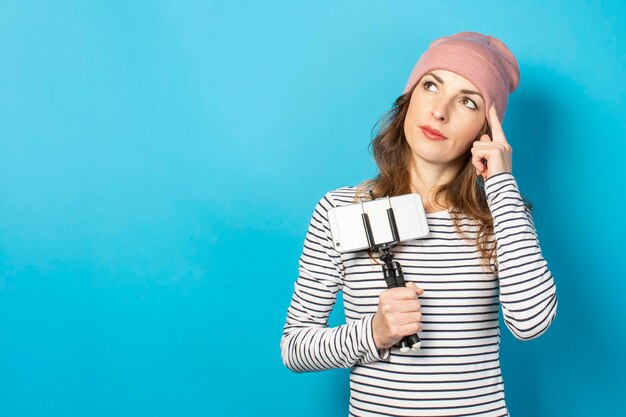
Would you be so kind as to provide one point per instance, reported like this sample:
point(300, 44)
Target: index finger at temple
point(497, 133)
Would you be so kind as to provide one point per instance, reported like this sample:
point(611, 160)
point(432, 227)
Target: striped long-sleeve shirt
point(457, 370)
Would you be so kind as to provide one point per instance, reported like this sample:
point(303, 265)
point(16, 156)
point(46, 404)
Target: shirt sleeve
point(307, 343)
point(527, 288)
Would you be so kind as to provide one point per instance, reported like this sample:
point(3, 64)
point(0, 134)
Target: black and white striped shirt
point(457, 370)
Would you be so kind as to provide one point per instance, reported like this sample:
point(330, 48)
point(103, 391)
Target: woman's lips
point(431, 135)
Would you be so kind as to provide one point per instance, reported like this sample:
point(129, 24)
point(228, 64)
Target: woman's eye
point(472, 106)
point(427, 84)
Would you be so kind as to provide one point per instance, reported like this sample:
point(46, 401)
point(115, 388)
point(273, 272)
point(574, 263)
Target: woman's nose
point(439, 111)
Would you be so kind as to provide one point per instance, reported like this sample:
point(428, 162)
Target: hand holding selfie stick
point(392, 270)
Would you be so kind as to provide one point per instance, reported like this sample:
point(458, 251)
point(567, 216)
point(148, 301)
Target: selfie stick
point(392, 270)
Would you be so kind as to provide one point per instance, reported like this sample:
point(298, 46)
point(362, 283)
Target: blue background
point(160, 161)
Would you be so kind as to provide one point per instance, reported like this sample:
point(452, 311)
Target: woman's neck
point(425, 179)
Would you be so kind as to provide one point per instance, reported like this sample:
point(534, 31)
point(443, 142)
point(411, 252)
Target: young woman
point(442, 139)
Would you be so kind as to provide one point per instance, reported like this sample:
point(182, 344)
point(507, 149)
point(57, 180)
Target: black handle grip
point(392, 271)
point(413, 341)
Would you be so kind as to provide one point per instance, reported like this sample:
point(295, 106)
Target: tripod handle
point(392, 271)
point(411, 342)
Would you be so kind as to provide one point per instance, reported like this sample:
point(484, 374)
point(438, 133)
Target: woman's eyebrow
point(472, 92)
point(462, 91)
point(435, 77)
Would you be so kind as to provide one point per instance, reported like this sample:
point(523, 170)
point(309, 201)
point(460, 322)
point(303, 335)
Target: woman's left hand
point(497, 152)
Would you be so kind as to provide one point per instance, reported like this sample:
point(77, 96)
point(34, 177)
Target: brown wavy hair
point(465, 194)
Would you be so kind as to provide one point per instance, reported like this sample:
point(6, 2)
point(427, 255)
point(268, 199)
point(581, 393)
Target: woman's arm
point(527, 289)
point(307, 343)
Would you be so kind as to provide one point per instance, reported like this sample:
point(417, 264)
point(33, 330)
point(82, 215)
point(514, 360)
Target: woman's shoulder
point(346, 195)
point(338, 197)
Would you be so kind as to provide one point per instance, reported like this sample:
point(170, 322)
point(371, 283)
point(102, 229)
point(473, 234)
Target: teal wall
point(160, 161)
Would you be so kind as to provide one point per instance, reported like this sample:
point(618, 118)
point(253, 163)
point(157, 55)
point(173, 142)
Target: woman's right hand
point(398, 315)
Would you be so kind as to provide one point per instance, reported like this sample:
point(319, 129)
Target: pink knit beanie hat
point(482, 59)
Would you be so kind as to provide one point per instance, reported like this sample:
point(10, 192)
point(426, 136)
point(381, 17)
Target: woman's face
point(449, 103)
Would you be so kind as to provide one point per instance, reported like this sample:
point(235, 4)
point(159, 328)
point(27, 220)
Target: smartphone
point(348, 231)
